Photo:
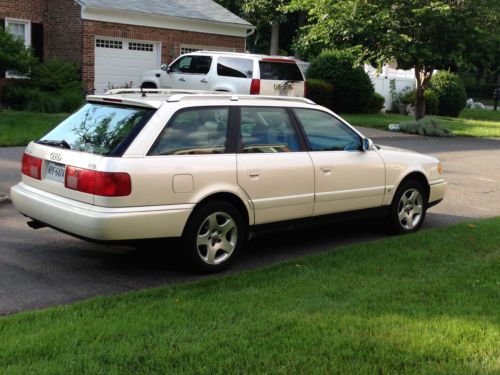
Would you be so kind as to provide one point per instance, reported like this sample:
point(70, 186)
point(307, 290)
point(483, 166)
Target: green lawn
point(481, 125)
point(19, 128)
point(423, 303)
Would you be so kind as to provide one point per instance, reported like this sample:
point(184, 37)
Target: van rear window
point(280, 71)
point(98, 129)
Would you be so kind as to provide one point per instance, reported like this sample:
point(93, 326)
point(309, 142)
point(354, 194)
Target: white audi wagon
point(210, 168)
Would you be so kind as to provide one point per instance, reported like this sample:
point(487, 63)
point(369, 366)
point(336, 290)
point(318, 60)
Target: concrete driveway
point(43, 268)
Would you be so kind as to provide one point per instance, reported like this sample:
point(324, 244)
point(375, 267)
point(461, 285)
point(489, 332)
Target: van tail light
point(106, 184)
point(255, 87)
point(305, 89)
point(31, 166)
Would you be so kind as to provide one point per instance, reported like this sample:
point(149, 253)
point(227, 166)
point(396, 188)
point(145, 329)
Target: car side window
point(201, 65)
point(327, 133)
point(234, 67)
point(182, 65)
point(194, 131)
point(267, 130)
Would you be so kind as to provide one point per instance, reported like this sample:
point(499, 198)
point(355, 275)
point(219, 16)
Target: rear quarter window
point(100, 129)
point(280, 71)
point(234, 67)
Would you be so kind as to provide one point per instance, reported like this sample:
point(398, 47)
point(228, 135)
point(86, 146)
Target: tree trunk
point(300, 23)
point(423, 76)
point(275, 36)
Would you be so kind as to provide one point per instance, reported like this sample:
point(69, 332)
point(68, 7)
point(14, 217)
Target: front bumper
point(100, 223)
point(437, 191)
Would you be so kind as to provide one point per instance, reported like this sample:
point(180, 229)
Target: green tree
point(14, 55)
point(420, 34)
point(267, 12)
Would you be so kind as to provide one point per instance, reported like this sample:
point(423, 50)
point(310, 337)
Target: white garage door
point(120, 62)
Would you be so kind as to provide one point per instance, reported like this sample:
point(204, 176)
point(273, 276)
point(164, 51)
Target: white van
point(240, 73)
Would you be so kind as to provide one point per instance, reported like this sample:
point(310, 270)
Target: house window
point(20, 29)
point(140, 46)
point(105, 43)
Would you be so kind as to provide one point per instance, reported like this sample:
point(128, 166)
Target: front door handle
point(204, 81)
point(326, 170)
point(253, 174)
point(182, 80)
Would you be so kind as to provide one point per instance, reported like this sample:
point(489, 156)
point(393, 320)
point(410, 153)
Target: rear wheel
point(408, 208)
point(148, 85)
point(213, 236)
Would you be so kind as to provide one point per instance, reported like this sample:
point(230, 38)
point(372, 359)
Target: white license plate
point(55, 172)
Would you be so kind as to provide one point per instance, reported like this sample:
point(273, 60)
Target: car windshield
point(97, 128)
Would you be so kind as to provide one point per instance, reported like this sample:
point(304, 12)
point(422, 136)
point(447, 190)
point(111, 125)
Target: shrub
point(26, 98)
point(56, 75)
point(427, 126)
point(450, 92)
point(431, 100)
point(54, 87)
point(352, 87)
point(377, 103)
point(320, 92)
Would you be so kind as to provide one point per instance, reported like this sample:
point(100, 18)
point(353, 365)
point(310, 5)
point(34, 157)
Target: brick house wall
point(23, 9)
point(170, 41)
point(63, 30)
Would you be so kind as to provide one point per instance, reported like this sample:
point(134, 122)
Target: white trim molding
point(166, 22)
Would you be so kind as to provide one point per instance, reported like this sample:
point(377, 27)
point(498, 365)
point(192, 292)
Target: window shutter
point(2, 68)
point(37, 39)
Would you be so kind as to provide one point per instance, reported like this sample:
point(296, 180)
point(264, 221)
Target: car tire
point(408, 208)
point(213, 236)
point(148, 85)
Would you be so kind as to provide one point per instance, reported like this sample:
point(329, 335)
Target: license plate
point(55, 172)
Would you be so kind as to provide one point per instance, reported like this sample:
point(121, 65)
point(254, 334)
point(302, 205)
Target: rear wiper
point(61, 143)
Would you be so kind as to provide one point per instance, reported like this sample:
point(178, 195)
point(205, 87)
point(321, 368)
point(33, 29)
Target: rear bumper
point(437, 191)
point(100, 223)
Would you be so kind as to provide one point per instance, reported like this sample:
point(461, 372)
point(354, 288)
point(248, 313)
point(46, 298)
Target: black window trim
point(181, 110)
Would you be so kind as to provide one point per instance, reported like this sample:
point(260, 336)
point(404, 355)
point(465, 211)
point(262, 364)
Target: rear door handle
point(204, 81)
point(253, 174)
point(182, 80)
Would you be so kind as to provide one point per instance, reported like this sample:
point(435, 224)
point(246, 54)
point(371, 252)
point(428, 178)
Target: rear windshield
point(280, 71)
point(98, 128)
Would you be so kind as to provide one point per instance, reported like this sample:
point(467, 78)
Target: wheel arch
point(148, 84)
point(232, 198)
point(420, 178)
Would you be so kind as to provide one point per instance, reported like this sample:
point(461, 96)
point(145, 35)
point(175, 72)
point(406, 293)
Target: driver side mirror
point(367, 144)
point(164, 67)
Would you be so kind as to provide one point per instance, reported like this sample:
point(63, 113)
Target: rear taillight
point(106, 184)
point(305, 89)
point(255, 87)
point(32, 166)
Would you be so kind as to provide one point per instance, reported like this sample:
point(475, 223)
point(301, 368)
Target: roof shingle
point(206, 10)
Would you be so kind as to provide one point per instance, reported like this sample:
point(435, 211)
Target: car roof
point(153, 98)
point(243, 54)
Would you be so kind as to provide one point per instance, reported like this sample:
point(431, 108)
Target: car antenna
point(143, 93)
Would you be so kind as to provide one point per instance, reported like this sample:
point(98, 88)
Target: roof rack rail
point(139, 90)
point(234, 97)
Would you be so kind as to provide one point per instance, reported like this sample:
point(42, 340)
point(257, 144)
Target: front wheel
point(408, 208)
point(213, 236)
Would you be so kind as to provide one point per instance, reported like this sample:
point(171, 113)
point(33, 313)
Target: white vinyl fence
point(381, 81)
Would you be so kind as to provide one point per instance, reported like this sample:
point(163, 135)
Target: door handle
point(253, 174)
point(204, 81)
point(326, 170)
point(182, 80)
